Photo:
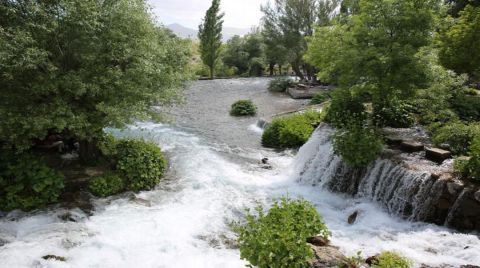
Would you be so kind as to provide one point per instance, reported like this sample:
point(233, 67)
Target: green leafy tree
point(288, 22)
point(77, 67)
point(460, 48)
point(455, 6)
point(376, 48)
point(210, 35)
point(235, 55)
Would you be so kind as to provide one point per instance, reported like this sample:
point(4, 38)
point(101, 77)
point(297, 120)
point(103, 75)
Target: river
point(214, 175)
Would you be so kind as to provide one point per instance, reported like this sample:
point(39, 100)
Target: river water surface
point(214, 175)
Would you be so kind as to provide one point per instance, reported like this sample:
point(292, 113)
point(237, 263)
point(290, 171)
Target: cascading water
point(185, 221)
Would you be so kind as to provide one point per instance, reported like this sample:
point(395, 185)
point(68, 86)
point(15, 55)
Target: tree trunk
point(211, 72)
point(298, 72)
point(280, 69)
point(271, 67)
point(89, 152)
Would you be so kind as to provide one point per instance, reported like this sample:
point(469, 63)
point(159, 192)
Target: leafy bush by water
point(467, 107)
point(243, 108)
point(320, 98)
point(458, 135)
point(280, 84)
point(396, 114)
point(141, 163)
point(107, 185)
point(291, 131)
point(357, 145)
point(278, 238)
point(389, 259)
point(27, 183)
point(345, 108)
point(471, 168)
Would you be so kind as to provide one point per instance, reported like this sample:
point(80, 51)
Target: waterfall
point(414, 195)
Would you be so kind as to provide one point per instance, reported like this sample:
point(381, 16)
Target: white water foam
point(185, 222)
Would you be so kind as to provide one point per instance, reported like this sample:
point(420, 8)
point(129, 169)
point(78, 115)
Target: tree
point(455, 6)
point(76, 67)
point(376, 48)
point(288, 22)
point(460, 45)
point(234, 54)
point(210, 35)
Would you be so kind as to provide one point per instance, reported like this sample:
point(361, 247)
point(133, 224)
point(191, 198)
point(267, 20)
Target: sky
point(189, 13)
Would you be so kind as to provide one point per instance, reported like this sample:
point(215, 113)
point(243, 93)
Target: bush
point(243, 108)
point(458, 135)
point(470, 168)
point(470, 91)
point(390, 259)
point(320, 98)
point(357, 145)
point(280, 84)
point(278, 238)
point(345, 108)
point(396, 114)
point(141, 163)
point(467, 107)
point(27, 183)
point(107, 185)
point(291, 131)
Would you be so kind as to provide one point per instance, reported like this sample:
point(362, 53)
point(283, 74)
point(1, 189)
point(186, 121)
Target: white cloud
point(238, 13)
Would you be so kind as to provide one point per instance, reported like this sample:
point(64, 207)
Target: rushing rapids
point(185, 221)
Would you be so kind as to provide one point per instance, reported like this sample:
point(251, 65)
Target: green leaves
point(243, 108)
point(210, 35)
point(142, 164)
point(95, 65)
point(278, 238)
point(26, 183)
point(107, 185)
point(291, 131)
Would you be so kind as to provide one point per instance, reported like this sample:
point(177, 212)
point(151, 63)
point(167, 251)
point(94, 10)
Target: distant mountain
point(185, 32)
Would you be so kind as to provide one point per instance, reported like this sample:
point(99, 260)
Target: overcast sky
point(189, 13)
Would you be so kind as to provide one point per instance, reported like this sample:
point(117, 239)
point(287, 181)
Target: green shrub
point(467, 107)
point(27, 183)
point(396, 114)
point(357, 145)
point(280, 84)
point(458, 135)
point(141, 163)
point(243, 108)
point(320, 98)
point(345, 107)
point(107, 185)
point(291, 131)
point(471, 168)
point(470, 91)
point(278, 238)
point(352, 261)
point(389, 259)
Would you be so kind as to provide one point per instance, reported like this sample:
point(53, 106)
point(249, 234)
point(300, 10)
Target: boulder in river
point(411, 146)
point(54, 257)
point(318, 241)
point(437, 155)
point(326, 257)
point(353, 218)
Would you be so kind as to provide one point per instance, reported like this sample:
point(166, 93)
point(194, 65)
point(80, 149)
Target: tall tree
point(288, 22)
point(210, 35)
point(376, 48)
point(460, 43)
point(77, 67)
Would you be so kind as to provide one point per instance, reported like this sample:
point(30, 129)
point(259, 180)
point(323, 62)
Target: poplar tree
point(210, 35)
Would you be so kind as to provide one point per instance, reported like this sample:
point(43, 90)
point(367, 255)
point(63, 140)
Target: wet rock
point(265, 161)
point(141, 201)
point(67, 217)
point(411, 146)
point(55, 258)
point(353, 218)
point(435, 176)
point(454, 188)
point(371, 260)
point(392, 140)
point(94, 171)
point(318, 241)
point(326, 257)
point(469, 266)
point(477, 195)
point(437, 154)
point(3, 242)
